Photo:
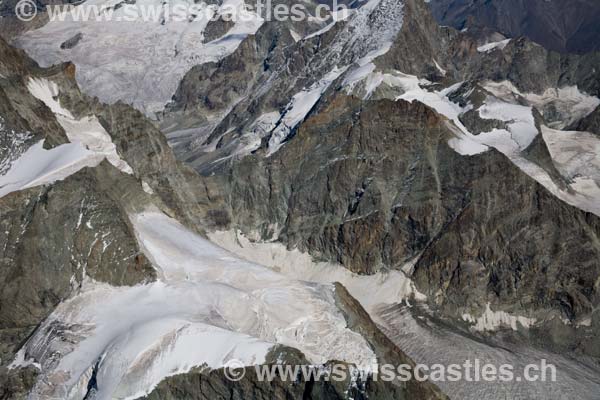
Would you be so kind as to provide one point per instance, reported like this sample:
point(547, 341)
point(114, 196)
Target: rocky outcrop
point(52, 238)
point(591, 123)
point(370, 184)
point(58, 235)
point(374, 185)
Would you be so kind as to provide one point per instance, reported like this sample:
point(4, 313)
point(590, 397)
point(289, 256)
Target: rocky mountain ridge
point(463, 174)
point(109, 180)
point(563, 26)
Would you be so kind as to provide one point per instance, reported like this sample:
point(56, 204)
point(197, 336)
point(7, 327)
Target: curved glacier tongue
point(207, 308)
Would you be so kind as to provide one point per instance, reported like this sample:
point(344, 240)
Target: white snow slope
point(86, 130)
point(142, 61)
point(207, 308)
point(90, 144)
point(38, 166)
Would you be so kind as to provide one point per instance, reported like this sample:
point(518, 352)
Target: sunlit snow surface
point(138, 62)
point(38, 166)
point(389, 287)
point(493, 46)
point(560, 106)
point(208, 307)
point(577, 162)
point(90, 144)
point(389, 298)
point(87, 131)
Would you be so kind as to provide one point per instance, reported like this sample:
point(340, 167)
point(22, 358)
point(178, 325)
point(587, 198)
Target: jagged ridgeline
point(447, 181)
point(106, 293)
point(569, 26)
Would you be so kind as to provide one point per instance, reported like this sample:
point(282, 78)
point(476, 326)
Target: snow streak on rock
point(493, 46)
point(505, 103)
point(366, 34)
point(492, 320)
point(37, 166)
point(299, 107)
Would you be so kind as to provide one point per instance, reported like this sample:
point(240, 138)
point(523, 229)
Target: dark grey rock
point(72, 42)
point(564, 26)
point(591, 123)
point(374, 185)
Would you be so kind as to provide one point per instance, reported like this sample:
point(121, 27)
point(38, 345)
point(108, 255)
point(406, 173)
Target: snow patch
point(439, 68)
point(586, 322)
point(295, 35)
point(464, 143)
point(12, 145)
point(87, 131)
point(251, 140)
point(299, 107)
point(492, 46)
point(38, 166)
point(437, 100)
point(138, 62)
point(492, 320)
point(521, 125)
point(560, 106)
point(146, 188)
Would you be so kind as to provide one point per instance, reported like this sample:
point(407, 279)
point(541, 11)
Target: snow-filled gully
point(207, 307)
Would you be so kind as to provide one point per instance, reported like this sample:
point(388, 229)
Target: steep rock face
point(182, 190)
point(21, 112)
point(375, 185)
point(68, 237)
point(214, 386)
point(591, 123)
point(564, 26)
point(11, 26)
point(534, 69)
point(530, 67)
point(137, 139)
point(208, 125)
point(263, 75)
point(420, 44)
point(77, 228)
point(52, 238)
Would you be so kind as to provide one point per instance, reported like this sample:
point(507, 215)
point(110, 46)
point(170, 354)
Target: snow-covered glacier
point(207, 307)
